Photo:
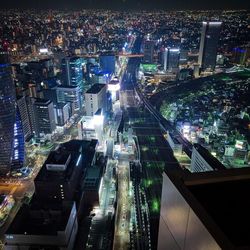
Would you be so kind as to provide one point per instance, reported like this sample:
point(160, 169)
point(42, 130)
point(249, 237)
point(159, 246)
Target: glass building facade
point(18, 144)
point(171, 58)
point(72, 75)
point(72, 72)
point(11, 136)
point(148, 51)
point(210, 35)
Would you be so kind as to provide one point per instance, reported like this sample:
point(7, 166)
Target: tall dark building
point(40, 70)
point(171, 59)
point(72, 73)
point(18, 145)
point(24, 114)
point(11, 135)
point(42, 225)
point(44, 117)
point(148, 51)
point(208, 45)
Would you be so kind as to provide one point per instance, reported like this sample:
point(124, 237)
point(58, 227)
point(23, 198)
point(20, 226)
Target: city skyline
point(124, 130)
point(129, 5)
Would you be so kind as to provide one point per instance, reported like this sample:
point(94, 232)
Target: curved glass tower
point(18, 145)
point(10, 134)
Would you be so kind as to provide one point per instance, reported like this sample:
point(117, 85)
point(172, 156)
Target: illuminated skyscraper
point(24, 114)
point(171, 59)
point(72, 73)
point(18, 145)
point(208, 45)
point(45, 117)
point(148, 51)
point(11, 135)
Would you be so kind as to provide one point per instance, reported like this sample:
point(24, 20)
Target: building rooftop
point(56, 175)
point(218, 199)
point(92, 180)
point(40, 101)
point(227, 206)
point(87, 147)
point(41, 218)
point(57, 157)
point(96, 88)
point(78, 149)
point(93, 172)
point(39, 61)
point(114, 82)
point(174, 139)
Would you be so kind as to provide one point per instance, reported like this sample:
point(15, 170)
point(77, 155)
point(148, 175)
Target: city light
point(98, 120)
point(174, 50)
point(78, 160)
point(43, 51)
point(113, 87)
point(102, 111)
point(100, 187)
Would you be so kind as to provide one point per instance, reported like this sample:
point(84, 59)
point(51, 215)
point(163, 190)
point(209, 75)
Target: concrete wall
point(179, 227)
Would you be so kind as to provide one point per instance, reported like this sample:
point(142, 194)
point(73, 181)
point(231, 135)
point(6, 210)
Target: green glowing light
point(226, 78)
point(148, 67)
point(155, 206)
point(147, 183)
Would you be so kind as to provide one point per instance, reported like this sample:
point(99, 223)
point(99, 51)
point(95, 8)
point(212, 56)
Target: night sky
point(127, 4)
